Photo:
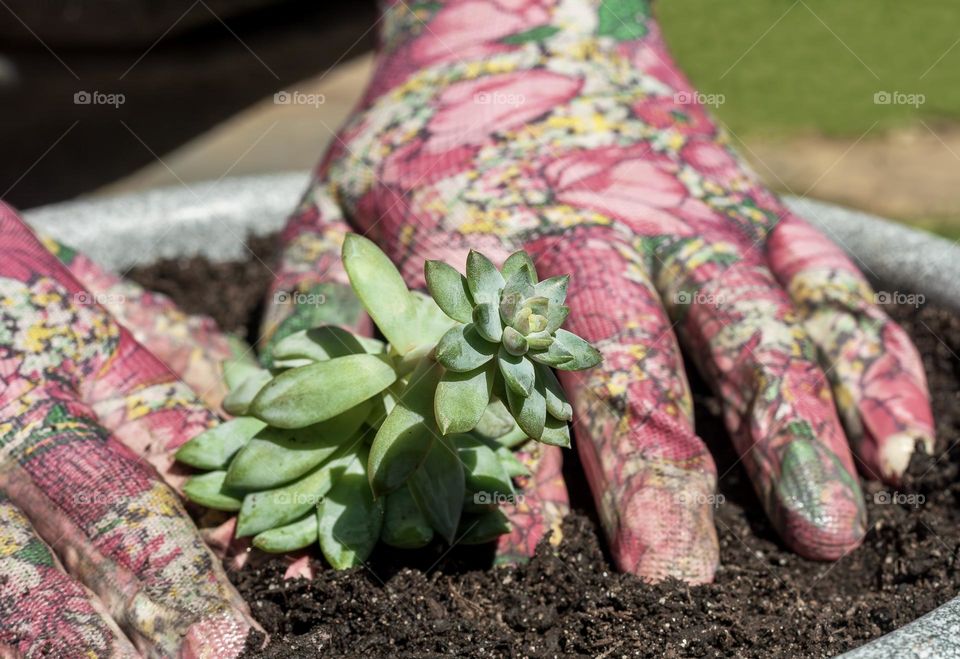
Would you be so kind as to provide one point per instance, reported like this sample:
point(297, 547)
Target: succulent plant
point(347, 441)
point(509, 339)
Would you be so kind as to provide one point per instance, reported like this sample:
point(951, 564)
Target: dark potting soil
point(765, 600)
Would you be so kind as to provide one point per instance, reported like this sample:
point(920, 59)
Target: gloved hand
point(563, 127)
point(87, 418)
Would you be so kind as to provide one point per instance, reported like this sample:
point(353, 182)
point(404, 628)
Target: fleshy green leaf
point(517, 289)
point(276, 456)
point(449, 289)
point(556, 432)
point(381, 290)
point(462, 349)
point(483, 528)
point(555, 356)
point(539, 340)
point(208, 490)
point(237, 369)
point(238, 401)
point(482, 468)
point(557, 405)
point(431, 324)
point(322, 343)
point(213, 448)
point(530, 412)
point(483, 279)
point(514, 438)
point(514, 342)
point(583, 354)
point(437, 487)
point(496, 421)
point(508, 460)
point(349, 517)
point(408, 432)
point(404, 526)
point(556, 316)
point(554, 289)
point(515, 262)
point(462, 398)
point(269, 509)
point(293, 536)
point(486, 320)
point(310, 394)
point(518, 372)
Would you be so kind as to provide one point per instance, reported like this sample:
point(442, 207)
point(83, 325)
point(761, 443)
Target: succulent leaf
point(238, 401)
point(583, 354)
point(309, 394)
point(463, 349)
point(437, 487)
point(557, 405)
point(325, 342)
point(514, 342)
point(518, 288)
point(517, 261)
point(214, 448)
point(208, 490)
point(462, 398)
point(531, 411)
point(449, 288)
point(518, 372)
point(269, 509)
point(486, 320)
point(539, 340)
point(290, 537)
point(276, 456)
point(484, 527)
point(483, 279)
point(556, 433)
point(554, 289)
point(237, 369)
point(404, 526)
point(482, 467)
point(404, 440)
point(382, 292)
point(496, 420)
point(349, 518)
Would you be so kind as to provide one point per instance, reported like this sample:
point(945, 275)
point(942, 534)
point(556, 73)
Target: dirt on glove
point(569, 599)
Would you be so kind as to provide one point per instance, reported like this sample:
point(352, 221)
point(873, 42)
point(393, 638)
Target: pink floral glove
point(97, 555)
point(563, 127)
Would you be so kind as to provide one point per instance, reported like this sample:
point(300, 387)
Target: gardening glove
point(84, 412)
point(563, 127)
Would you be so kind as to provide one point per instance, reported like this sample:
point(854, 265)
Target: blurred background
point(855, 102)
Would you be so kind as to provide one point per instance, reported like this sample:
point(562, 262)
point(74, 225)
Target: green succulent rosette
point(345, 441)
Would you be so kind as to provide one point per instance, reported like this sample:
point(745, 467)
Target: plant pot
point(213, 219)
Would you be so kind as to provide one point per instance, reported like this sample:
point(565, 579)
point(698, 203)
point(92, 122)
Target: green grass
point(805, 75)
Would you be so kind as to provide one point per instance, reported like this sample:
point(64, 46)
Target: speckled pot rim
point(213, 219)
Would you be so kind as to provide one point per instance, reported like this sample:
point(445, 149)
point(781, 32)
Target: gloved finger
point(135, 546)
point(877, 376)
point(43, 610)
point(539, 507)
point(652, 478)
point(192, 346)
point(745, 336)
point(311, 260)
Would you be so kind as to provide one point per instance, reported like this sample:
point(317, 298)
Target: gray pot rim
point(213, 219)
